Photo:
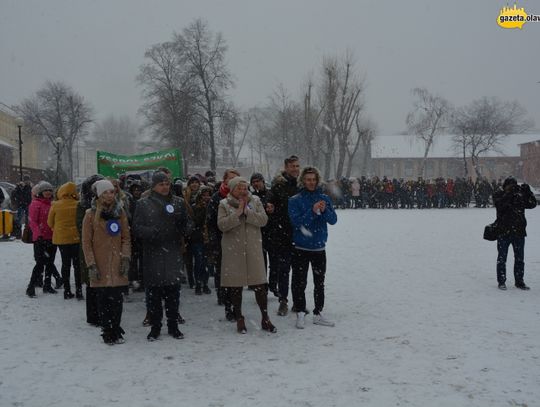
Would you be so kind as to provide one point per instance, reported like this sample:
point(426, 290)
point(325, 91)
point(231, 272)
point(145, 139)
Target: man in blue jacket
point(310, 211)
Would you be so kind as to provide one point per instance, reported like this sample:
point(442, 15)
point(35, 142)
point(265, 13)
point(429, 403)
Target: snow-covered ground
point(419, 322)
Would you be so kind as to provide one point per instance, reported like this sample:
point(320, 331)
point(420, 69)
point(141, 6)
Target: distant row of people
point(383, 193)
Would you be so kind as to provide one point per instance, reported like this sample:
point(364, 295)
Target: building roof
point(537, 142)
point(404, 146)
point(4, 144)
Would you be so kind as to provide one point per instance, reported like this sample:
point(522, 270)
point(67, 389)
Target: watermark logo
point(514, 17)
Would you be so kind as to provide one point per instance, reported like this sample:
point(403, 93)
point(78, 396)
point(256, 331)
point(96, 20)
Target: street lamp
point(19, 122)
point(59, 141)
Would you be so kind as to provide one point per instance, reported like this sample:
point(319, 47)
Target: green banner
point(113, 165)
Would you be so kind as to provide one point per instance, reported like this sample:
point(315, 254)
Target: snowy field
point(419, 322)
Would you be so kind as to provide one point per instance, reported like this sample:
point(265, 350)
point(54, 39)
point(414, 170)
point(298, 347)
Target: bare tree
point(365, 131)
point(313, 137)
point(203, 53)
point(57, 111)
point(116, 134)
point(482, 126)
point(327, 99)
point(286, 117)
point(169, 100)
point(345, 110)
point(427, 119)
point(341, 96)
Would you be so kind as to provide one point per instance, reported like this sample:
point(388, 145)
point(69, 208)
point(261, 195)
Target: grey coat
point(160, 233)
point(242, 262)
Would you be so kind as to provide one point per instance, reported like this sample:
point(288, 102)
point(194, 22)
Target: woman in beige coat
point(107, 250)
point(240, 218)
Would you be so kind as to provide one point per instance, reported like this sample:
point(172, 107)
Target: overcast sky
point(98, 46)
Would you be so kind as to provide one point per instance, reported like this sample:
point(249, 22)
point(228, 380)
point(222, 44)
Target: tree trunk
point(465, 167)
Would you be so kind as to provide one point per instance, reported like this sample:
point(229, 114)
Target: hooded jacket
point(38, 213)
point(310, 230)
point(63, 215)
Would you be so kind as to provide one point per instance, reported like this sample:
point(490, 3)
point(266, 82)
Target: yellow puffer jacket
point(63, 214)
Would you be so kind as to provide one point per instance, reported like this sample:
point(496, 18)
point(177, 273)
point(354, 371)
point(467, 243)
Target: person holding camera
point(511, 202)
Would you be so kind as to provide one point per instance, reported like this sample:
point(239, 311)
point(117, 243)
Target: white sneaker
point(320, 320)
point(300, 320)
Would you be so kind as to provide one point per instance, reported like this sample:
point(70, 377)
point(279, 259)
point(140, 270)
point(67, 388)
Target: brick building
point(530, 156)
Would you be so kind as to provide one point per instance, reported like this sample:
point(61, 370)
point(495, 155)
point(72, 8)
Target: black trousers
point(171, 295)
point(110, 302)
point(92, 308)
point(223, 294)
point(70, 256)
point(44, 255)
point(135, 266)
point(188, 264)
point(301, 259)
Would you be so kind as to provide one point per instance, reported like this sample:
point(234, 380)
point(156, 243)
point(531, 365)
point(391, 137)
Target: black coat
point(160, 234)
point(264, 196)
point(214, 234)
point(280, 228)
point(21, 197)
point(511, 210)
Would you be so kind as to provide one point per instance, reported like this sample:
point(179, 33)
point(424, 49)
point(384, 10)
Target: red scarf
point(224, 190)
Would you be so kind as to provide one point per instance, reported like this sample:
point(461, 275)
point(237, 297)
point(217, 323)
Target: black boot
point(108, 336)
point(79, 294)
point(118, 336)
point(206, 290)
point(47, 288)
point(175, 332)
point(59, 282)
point(522, 286)
point(31, 291)
point(68, 295)
point(154, 334)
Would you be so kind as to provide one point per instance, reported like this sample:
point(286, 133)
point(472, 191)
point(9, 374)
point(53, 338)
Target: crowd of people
point(124, 235)
point(361, 193)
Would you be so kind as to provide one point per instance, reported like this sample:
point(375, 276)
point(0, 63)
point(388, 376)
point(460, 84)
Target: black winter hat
point(256, 176)
point(509, 181)
point(193, 179)
point(159, 177)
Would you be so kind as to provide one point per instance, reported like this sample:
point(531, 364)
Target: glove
point(124, 266)
point(93, 272)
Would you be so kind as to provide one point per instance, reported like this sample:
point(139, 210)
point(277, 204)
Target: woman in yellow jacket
point(63, 222)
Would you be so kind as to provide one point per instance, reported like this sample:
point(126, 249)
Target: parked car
point(7, 188)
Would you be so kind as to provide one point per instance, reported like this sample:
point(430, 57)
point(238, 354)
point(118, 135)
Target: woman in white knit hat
point(107, 250)
point(240, 218)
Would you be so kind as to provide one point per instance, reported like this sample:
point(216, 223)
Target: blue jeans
point(199, 267)
point(518, 244)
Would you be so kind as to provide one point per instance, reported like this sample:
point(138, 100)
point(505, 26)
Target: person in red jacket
point(44, 250)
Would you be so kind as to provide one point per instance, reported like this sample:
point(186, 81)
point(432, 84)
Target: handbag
point(26, 236)
point(491, 232)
